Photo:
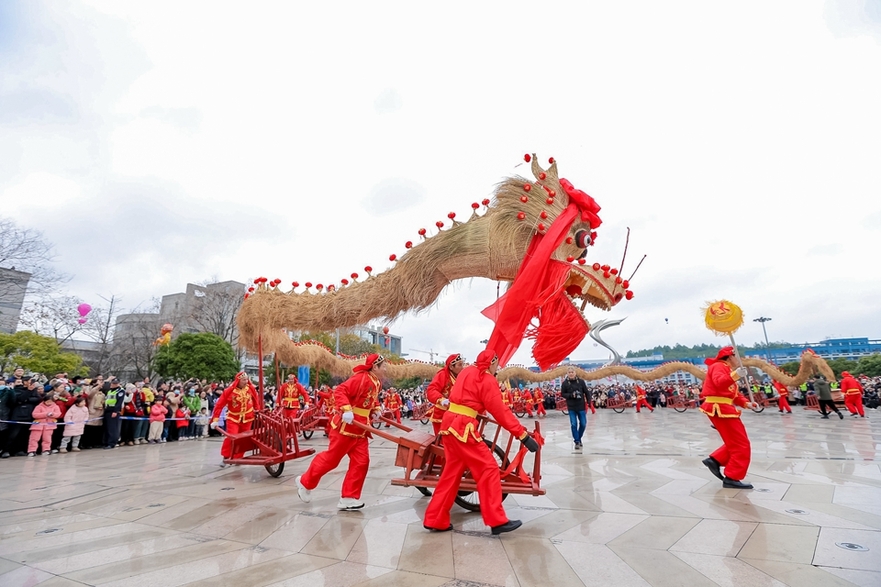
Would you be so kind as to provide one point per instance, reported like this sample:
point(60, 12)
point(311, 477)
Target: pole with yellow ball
point(725, 317)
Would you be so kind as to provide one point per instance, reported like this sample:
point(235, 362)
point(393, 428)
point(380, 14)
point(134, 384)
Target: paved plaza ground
point(636, 508)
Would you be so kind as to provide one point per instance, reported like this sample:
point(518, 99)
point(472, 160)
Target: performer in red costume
point(641, 401)
point(475, 392)
point(526, 396)
point(292, 396)
point(853, 394)
point(326, 400)
point(539, 398)
point(783, 400)
point(393, 404)
point(240, 400)
point(720, 395)
point(355, 398)
point(438, 391)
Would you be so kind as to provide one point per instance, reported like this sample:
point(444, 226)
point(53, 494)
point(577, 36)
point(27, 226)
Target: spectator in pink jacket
point(74, 424)
point(157, 421)
point(46, 413)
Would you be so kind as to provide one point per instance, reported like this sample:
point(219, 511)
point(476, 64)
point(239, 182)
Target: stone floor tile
point(380, 544)
point(537, 563)
point(404, 579)
point(854, 577)
point(336, 538)
point(715, 537)
point(341, 573)
point(727, 571)
point(656, 532)
point(830, 555)
point(427, 552)
point(482, 558)
point(797, 575)
point(596, 564)
point(265, 573)
point(660, 568)
point(793, 544)
point(602, 529)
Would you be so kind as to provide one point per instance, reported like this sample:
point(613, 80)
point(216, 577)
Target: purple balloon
point(82, 320)
point(83, 309)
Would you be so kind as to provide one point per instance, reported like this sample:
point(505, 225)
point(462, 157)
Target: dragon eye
point(582, 239)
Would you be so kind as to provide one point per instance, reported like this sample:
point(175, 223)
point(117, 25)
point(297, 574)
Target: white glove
point(213, 425)
point(348, 417)
point(741, 372)
point(445, 402)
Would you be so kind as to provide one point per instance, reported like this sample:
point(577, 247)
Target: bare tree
point(215, 308)
point(133, 341)
point(55, 316)
point(25, 249)
point(99, 328)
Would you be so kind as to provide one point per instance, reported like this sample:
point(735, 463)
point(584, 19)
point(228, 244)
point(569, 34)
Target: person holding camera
point(574, 390)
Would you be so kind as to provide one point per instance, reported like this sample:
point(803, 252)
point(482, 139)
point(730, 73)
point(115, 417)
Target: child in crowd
point(202, 423)
point(157, 421)
point(183, 416)
point(75, 423)
point(46, 413)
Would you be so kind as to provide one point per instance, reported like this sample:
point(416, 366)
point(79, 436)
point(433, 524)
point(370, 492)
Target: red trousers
point(642, 402)
point(734, 455)
point(436, 426)
point(233, 428)
point(324, 462)
point(540, 409)
point(477, 458)
point(854, 403)
point(290, 412)
point(783, 404)
point(593, 409)
point(396, 416)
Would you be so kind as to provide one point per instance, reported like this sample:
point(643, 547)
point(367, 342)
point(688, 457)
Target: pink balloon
point(83, 309)
point(82, 320)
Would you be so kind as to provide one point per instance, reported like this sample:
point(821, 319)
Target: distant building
point(204, 308)
point(831, 348)
point(92, 353)
point(644, 364)
point(374, 335)
point(13, 287)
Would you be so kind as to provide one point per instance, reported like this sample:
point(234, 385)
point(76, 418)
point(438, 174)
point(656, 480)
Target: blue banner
point(303, 374)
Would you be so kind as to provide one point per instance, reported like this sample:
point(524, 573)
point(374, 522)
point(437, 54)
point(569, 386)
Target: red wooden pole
point(260, 369)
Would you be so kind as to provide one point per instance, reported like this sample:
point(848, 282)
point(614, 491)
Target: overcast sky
point(160, 143)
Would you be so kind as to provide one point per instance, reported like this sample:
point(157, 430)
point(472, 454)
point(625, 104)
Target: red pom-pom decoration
point(344, 281)
point(527, 157)
point(551, 160)
point(354, 276)
point(408, 244)
point(570, 258)
point(392, 257)
point(569, 240)
point(524, 199)
point(618, 280)
point(439, 224)
point(613, 271)
point(625, 284)
point(550, 201)
point(251, 289)
point(596, 266)
point(543, 214)
point(521, 216)
point(319, 287)
point(247, 295)
point(485, 202)
point(606, 274)
point(542, 175)
point(368, 269)
point(606, 267)
point(421, 232)
point(475, 205)
point(628, 294)
point(541, 227)
point(451, 215)
point(308, 284)
point(581, 261)
point(526, 187)
point(552, 193)
point(331, 287)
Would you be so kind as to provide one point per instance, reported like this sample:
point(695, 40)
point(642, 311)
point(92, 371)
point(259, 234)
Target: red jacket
point(850, 385)
point(240, 404)
point(477, 392)
point(289, 395)
point(437, 390)
point(358, 394)
point(720, 393)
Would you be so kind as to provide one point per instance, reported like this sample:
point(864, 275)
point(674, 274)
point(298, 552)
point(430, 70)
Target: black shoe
point(825, 417)
point(714, 467)
point(5, 455)
point(840, 416)
point(19, 454)
point(732, 484)
point(430, 529)
point(509, 527)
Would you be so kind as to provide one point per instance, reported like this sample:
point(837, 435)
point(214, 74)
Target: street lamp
point(762, 319)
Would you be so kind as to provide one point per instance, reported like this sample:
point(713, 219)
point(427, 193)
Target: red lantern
point(385, 329)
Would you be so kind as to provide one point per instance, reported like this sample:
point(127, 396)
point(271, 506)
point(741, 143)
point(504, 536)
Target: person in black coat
point(575, 391)
point(28, 393)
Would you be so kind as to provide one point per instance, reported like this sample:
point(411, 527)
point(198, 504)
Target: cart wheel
point(680, 407)
point(565, 411)
point(520, 414)
point(275, 441)
point(424, 422)
point(424, 491)
point(375, 421)
point(470, 500)
point(620, 407)
point(760, 408)
point(307, 434)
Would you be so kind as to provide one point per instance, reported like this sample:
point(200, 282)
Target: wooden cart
point(420, 412)
point(421, 454)
point(271, 441)
point(311, 419)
